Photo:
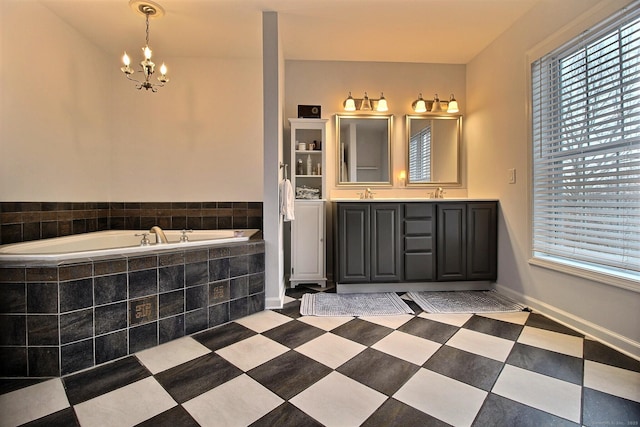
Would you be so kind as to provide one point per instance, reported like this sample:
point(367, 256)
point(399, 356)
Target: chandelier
point(148, 9)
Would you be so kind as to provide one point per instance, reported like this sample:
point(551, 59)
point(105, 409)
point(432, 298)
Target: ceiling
point(427, 31)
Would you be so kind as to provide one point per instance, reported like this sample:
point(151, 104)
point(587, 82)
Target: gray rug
point(379, 304)
point(464, 302)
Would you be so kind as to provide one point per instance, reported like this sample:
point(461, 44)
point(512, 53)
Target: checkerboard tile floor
point(276, 368)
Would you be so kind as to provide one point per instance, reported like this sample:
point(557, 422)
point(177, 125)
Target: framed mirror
point(364, 150)
point(433, 150)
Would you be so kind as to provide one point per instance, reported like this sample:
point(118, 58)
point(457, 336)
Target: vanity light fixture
point(148, 9)
point(365, 104)
point(422, 105)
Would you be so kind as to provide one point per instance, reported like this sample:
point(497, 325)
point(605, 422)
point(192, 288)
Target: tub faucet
point(160, 236)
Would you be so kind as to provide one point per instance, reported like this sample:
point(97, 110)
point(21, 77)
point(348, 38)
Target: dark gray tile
point(42, 297)
point(395, 413)
point(143, 310)
point(143, 283)
point(103, 379)
point(196, 321)
point(291, 309)
point(238, 266)
point(175, 258)
point(197, 376)
point(378, 370)
point(550, 363)
point(598, 352)
point(143, 337)
point(101, 268)
point(77, 356)
point(255, 303)
point(64, 418)
point(600, 409)
point(218, 269)
point(238, 308)
point(256, 263)
point(197, 273)
point(13, 362)
point(286, 415)
point(76, 325)
point(73, 272)
point(170, 328)
point(110, 288)
point(293, 334)
point(223, 336)
point(498, 411)
point(171, 303)
point(218, 314)
point(76, 294)
point(256, 283)
point(239, 287)
point(176, 416)
point(13, 330)
point(171, 278)
point(429, 329)
point(111, 317)
point(469, 368)
point(44, 361)
point(361, 331)
point(218, 252)
point(219, 292)
point(111, 346)
point(42, 329)
point(42, 274)
point(497, 328)
point(13, 297)
point(143, 263)
point(539, 321)
point(196, 297)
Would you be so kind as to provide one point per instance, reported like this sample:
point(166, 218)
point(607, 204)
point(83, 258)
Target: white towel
point(286, 200)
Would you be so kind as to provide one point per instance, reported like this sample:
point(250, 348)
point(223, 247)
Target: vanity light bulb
point(382, 104)
point(419, 105)
point(349, 103)
point(453, 105)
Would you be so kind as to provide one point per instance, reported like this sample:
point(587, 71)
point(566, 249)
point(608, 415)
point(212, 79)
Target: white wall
point(74, 129)
point(496, 130)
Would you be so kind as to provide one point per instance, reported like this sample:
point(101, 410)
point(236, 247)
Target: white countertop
point(409, 199)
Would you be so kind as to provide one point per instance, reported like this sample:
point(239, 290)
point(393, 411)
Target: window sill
point(627, 282)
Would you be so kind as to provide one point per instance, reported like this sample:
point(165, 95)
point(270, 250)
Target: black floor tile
point(598, 352)
point(600, 409)
point(498, 411)
point(395, 413)
point(291, 309)
point(223, 336)
point(63, 418)
point(7, 385)
point(469, 368)
point(103, 379)
point(539, 321)
point(191, 379)
point(298, 292)
point(497, 328)
point(286, 415)
point(429, 329)
point(174, 417)
point(550, 363)
point(378, 370)
point(293, 334)
point(361, 331)
point(289, 374)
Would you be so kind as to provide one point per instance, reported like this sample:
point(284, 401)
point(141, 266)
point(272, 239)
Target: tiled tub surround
point(59, 319)
point(24, 221)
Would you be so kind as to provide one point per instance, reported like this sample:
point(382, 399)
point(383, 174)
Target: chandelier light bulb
point(147, 52)
point(126, 60)
point(163, 69)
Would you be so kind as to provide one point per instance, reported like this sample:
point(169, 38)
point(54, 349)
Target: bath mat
point(464, 302)
point(379, 304)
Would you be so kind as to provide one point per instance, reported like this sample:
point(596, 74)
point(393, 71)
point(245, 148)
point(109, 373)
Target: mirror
point(433, 150)
point(364, 150)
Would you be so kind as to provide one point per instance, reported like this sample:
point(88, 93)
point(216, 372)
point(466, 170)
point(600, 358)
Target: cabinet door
point(452, 242)
point(307, 249)
point(482, 241)
point(353, 242)
point(385, 243)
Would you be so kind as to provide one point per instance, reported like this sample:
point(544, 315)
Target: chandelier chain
point(147, 16)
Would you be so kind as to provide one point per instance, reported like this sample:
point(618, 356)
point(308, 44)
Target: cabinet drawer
point(418, 226)
point(418, 244)
point(418, 210)
point(418, 267)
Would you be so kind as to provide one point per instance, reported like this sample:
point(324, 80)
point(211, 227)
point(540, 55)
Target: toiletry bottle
point(319, 169)
point(309, 164)
point(299, 170)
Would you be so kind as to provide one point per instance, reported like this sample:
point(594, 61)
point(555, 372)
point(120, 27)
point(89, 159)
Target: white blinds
point(420, 156)
point(586, 149)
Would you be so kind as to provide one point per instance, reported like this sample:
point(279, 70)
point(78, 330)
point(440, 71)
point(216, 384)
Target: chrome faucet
point(367, 194)
point(439, 194)
point(160, 236)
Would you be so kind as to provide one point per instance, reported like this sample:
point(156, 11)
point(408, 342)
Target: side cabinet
point(452, 241)
point(386, 251)
point(307, 243)
point(419, 229)
point(482, 242)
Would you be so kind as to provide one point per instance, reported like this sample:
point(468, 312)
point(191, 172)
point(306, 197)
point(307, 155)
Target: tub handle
point(145, 241)
point(184, 238)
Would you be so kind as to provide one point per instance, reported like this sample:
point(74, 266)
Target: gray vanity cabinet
point(419, 241)
point(368, 239)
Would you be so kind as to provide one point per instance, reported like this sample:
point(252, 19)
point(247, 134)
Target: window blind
point(420, 156)
point(586, 149)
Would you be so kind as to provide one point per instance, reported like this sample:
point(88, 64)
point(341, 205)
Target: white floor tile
point(393, 322)
point(263, 321)
point(337, 400)
point(173, 353)
point(325, 323)
point(238, 402)
point(552, 341)
point(33, 402)
point(252, 352)
point(330, 349)
point(612, 380)
point(540, 391)
point(478, 343)
point(519, 317)
point(287, 300)
point(407, 347)
point(442, 397)
point(454, 319)
point(126, 406)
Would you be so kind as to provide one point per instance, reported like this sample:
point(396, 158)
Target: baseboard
point(357, 288)
point(612, 339)
point(276, 303)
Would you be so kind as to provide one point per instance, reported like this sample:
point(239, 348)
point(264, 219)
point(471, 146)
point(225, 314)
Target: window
point(586, 151)
point(420, 155)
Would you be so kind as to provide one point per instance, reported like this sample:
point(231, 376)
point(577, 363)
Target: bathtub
point(115, 242)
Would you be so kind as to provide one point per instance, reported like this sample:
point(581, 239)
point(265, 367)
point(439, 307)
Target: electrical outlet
point(512, 176)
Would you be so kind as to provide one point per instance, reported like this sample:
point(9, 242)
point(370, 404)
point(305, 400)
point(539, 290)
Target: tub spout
point(160, 236)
